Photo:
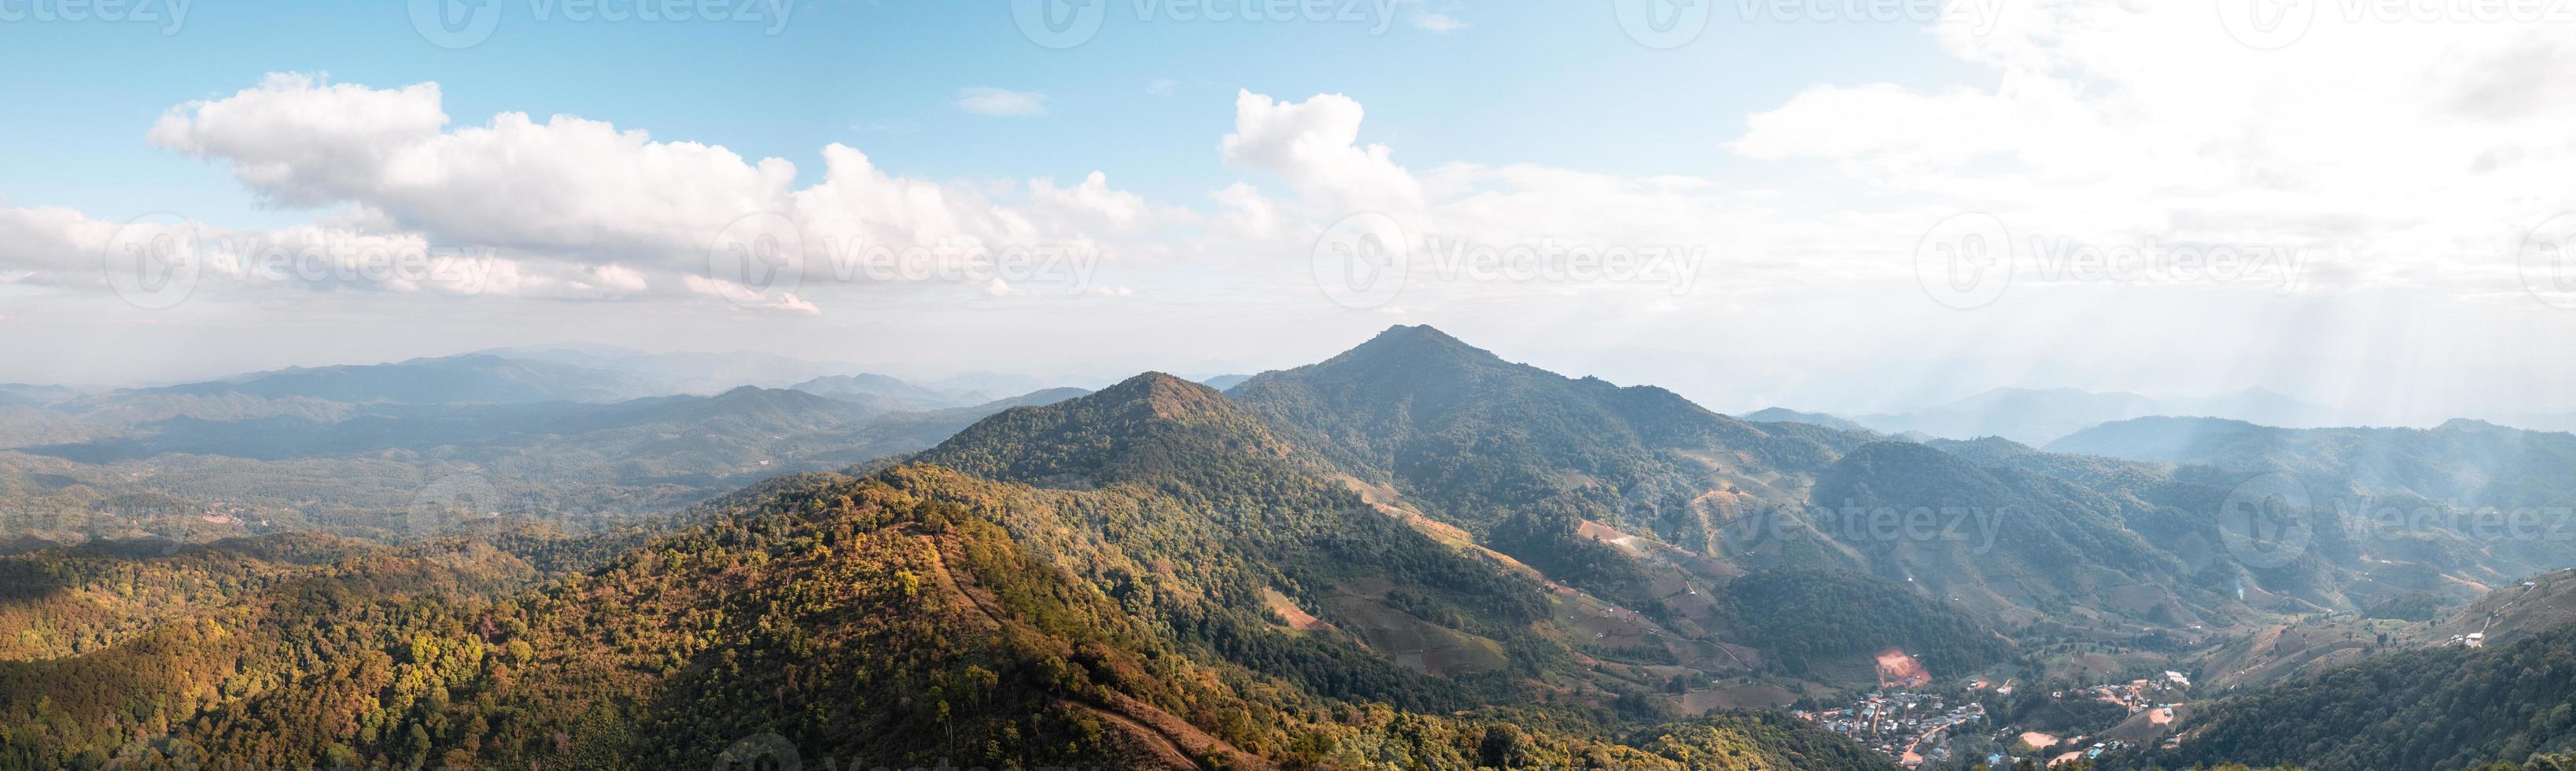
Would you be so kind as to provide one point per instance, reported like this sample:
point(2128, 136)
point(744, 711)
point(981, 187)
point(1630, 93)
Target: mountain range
point(1413, 554)
point(2039, 416)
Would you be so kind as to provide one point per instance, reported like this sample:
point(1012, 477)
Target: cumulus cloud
point(2394, 141)
point(584, 208)
point(1314, 147)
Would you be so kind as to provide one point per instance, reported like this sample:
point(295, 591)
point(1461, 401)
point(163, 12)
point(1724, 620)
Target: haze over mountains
point(1415, 553)
point(2039, 416)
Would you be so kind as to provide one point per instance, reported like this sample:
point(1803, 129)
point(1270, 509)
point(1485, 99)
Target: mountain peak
point(1168, 396)
point(1152, 428)
point(1417, 337)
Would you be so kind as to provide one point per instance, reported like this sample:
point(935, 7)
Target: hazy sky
point(1827, 204)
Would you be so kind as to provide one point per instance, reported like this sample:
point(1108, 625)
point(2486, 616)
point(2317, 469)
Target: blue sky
point(1929, 200)
point(1554, 83)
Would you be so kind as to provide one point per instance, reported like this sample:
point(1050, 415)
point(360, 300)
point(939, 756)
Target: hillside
point(1471, 439)
point(2445, 707)
point(1992, 537)
point(2461, 464)
point(916, 616)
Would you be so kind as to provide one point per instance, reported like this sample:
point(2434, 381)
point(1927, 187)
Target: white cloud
point(1314, 146)
point(2424, 153)
point(564, 184)
point(986, 100)
point(581, 208)
point(2424, 143)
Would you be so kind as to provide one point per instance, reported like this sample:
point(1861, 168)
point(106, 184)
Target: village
point(1910, 727)
point(1920, 730)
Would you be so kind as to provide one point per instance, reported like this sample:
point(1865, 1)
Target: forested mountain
point(2440, 708)
point(1158, 618)
point(1471, 439)
point(2461, 464)
point(1997, 537)
point(1412, 555)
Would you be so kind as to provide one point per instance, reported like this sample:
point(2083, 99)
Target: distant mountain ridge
point(469, 378)
point(2462, 463)
point(1782, 415)
point(2035, 416)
